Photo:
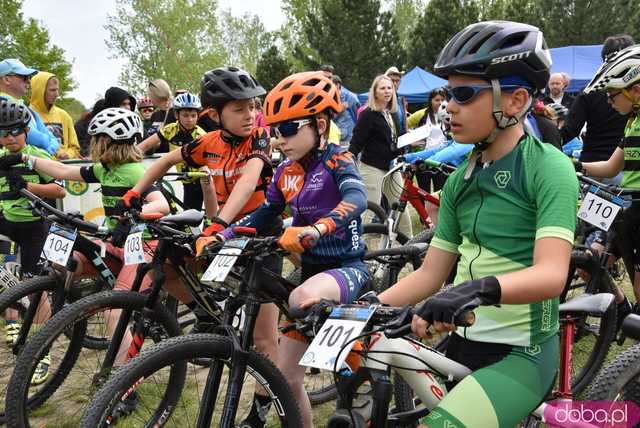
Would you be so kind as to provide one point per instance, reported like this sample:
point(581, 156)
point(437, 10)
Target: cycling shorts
point(126, 274)
point(507, 383)
point(352, 277)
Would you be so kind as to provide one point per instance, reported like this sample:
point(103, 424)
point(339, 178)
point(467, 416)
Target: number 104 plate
point(333, 341)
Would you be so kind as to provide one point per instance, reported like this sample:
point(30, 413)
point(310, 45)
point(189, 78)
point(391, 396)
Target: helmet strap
point(635, 103)
point(502, 121)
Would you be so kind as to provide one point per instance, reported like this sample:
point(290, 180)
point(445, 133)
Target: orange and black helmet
point(301, 95)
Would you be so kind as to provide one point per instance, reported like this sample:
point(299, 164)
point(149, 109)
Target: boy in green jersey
point(620, 77)
point(17, 220)
point(507, 216)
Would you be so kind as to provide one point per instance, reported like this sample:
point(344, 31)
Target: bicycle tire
point(173, 352)
point(619, 379)
point(13, 298)
point(20, 404)
point(379, 212)
point(604, 332)
point(598, 351)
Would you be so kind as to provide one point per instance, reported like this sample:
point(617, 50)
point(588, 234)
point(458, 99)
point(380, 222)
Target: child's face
point(238, 117)
point(472, 121)
point(13, 143)
point(619, 102)
point(297, 146)
point(188, 118)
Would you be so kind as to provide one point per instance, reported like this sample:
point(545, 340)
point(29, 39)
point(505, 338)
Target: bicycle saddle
point(631, 326)
point(596, 304)
point(191, 218)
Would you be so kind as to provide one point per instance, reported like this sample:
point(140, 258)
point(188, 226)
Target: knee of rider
point(299, 295)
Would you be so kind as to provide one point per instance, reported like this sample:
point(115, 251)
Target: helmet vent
point(480, 43)
point(245, 81)
point(312, 82)
point(277, 105)
point(295, 99)
point(327, 88)
point(231, 84)
point(314, 102)
point(516, 39)
point(287, 85)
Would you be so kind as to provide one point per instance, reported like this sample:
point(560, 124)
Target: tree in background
point(177, 40)
point(74, 107)
point(272, 67)
point(245, 39)
point(440, 20)
point(355, 36)
point(28, 41)
point(406, 14)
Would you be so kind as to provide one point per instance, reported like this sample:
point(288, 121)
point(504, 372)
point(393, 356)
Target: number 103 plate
point(344, 323)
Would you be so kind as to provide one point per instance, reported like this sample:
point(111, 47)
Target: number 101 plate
point(332, 342)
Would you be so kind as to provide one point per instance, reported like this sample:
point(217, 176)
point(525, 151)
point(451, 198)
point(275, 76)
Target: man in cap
point(15, 81)
point(395, 75)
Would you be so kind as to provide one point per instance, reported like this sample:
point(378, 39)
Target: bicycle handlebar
point(62, 216)
point(441, 165)
point(610, 191)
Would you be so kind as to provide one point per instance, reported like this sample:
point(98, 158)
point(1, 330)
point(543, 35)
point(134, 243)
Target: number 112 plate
point(344, 323)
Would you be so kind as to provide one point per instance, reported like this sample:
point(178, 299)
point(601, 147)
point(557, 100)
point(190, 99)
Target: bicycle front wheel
point(157, 405)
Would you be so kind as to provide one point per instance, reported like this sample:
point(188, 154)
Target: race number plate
point(598, 211)
point(224, 261)
point(343, 324)
point(134, 246)
point(59, 244)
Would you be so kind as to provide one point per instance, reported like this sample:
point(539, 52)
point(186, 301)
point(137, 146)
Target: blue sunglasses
point(290, 128)
point(465, 94)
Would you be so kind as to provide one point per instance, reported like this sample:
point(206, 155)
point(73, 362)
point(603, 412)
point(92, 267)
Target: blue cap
point(15, 66)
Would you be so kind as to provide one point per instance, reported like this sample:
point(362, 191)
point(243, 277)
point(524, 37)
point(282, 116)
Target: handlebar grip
point(308, 242)
point(465, 319)
point(245, 231)
point(298, 313)
point(394, 333)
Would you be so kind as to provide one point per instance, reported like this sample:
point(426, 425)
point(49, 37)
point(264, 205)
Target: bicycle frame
point(422, 373)
point(410, 194)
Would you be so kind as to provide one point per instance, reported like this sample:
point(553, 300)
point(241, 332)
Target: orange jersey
point(226, 160)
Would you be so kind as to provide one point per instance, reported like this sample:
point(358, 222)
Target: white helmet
point(620, 71)
point(443, 115)
point(118, 123)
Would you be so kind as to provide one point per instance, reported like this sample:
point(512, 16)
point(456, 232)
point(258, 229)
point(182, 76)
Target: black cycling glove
point(446, 305)
point(15, 181)
point(8, 161)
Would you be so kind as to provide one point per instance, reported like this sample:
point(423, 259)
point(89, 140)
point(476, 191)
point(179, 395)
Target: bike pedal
point(344, 418)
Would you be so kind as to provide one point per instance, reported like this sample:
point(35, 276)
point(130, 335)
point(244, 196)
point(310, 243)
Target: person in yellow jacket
point(44, 93)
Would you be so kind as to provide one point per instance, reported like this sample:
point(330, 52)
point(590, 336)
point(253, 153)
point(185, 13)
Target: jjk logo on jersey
point(502, 178)
point(291, 183)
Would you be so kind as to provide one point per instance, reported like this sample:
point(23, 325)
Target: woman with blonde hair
point(374, 140)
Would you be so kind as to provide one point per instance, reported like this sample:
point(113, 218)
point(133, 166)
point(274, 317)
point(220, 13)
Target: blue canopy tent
point(580, 62)
point(415, 86)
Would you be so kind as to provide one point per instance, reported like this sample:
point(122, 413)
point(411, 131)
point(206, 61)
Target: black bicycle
point(56, 288)
point(232, 359)
point(76, 371)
